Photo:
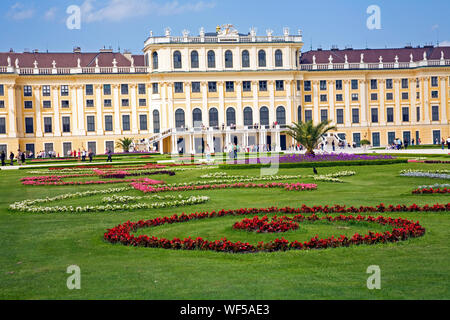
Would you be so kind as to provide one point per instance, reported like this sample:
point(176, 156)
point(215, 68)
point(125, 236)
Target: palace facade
point(186, 92)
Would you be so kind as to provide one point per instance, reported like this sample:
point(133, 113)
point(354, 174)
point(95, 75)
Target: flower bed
point(262, 225)
point(403, 229)
point(436, 174)
point(57, 181)
point(431, 190)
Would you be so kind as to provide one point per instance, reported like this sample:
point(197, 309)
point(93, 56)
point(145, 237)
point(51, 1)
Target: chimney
point(76, 50)
point(127, 54)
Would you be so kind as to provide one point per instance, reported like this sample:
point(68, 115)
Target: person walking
point(208, 153)
point(332, 144)
point(3, 157)
point(109, 153)
point(90, 155)
point(11, 157)
point(443, 143)
point(448, 143)
point(22, 157)
point(83, 155)
point(19, 157)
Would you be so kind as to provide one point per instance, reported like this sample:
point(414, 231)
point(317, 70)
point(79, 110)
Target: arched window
point(211, 59)
point(197, 118)
point(264, 116)
point(299, 114)
point(248, 116)
point(278, 58)
point(213, 118)
point(155, 60)
point(194, 59)
point(177, 59)
point(245, 59)
point(179, 118)
point(156, 127)
point(231, 117)
point(261, 58)
point(281, 115)
point(228, 59)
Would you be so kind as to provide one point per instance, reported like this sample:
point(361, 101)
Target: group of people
point(81, 154)
point(20, 158)
point(443, 143)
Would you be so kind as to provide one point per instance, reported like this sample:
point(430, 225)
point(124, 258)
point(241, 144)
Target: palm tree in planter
point(308, 134)
point(125, 144)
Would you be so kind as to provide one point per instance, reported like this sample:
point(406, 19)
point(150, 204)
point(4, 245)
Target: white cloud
point(50, 14)
point(445, 43)
point(20, 12)
point(118, 10)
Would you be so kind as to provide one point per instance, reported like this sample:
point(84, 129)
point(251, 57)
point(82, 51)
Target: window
point(281, 115)
point(106, 89)
point(143, 122)
point(405, 114)
point(212, 86)
point(28, 104)
point(298, 85)
point(179, 118)
point(124, 89)
point(354, 84)
point(46, 91)
point(2, 103)
point(357, 139)
point(374, 114)
point(389, 96)
point(262, 85)
point(197, 118)
point(29, 125)
point(435, 113)
point(48, 147)
point(355, 115)
point(373, 84)
point(323, 98)
point(2, 90)
point(126, 122)
point(246, 86)
point(177, 59)
point(278, 58)
point(434, 82)
point(338, 84)
point(323, 115)
point(211, 59)
point(141, 88)
point(323, 85)
point(109, 145)
point(388, 83)
point(261, 58)
point(404, 95)
point(417, 114)
point(213, 118)
point(308, 98)
point(65, 124)
point(307, 85)
point(92, 147)
point(142, 102)
point(156, 127)
point(194, 59)
point(231, 116)
point(108, 123)
point(67, 147)
point(89, 89)
point(245, 59)
point(375, 139)
point(195, 86)
point(47, 124)
point(354, 97)
point(27, 91)
point(404, 83)
point(436, 136)
point(155, 60)
point(264, 116)
point(125, 103)
point(434, 94)
point(90, 120)
point(417, 95)
point(417, 83)
point(107, 103)
point(64, 103)
point(390, 114)
point(2, 125)
point(374, 96)
point(339, 116)
point(308, 115)
point(228, 59)
point(229, 85)
point(391, 137)
point(279, 85)
point(89, 103)
point(47, 104)
point(248, 116)
point(178, 87)
point(406, 137)
point(299, 114)
point(155, 87)
point(339, 97)
point(64, 90)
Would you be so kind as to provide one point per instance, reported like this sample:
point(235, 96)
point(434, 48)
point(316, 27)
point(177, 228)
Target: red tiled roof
point(66, 60)
point(373, 55)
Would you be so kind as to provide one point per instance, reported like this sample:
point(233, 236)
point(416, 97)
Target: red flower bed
point(260, 225)
point(430, 190)
point(403, 229)
point(57, 181)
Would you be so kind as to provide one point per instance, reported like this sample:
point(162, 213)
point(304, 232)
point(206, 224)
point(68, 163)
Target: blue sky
point(41, 24)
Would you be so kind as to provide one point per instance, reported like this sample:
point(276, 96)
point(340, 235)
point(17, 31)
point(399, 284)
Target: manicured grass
point(37, 248)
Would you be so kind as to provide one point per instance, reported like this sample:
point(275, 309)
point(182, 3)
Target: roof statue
point(226, 30)
point(362, 58)
point(424, 56)
point(442, 55)
point(314, 59)
point(330, 58)
point(396, 59)
point(9, 61)
point(35, 63)
point(381, 59)
point(54, 64)
point(114, 62)
point(132, 62)
point(96, 62)
point(411, 57)
point(17, 63)
point(78, 63)
point(346, 59)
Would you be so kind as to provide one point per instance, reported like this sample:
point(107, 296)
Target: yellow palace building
point(216, 89)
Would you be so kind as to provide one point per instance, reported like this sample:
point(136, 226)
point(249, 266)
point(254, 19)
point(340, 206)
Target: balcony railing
point(374, 66)
point(219, 39)
point(68, 70)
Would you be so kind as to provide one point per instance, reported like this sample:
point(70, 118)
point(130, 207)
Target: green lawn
point(37, 248)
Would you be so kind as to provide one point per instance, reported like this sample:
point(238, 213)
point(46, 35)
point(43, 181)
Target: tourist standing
point(90, 155)
point(11, 157)
point(448, 143)
point(3, 157)
point(109, 153)
point(443, 143)
point(19, 157)
point(208, 153)
point(83, 155)
point(332, 144)
point(22, 157)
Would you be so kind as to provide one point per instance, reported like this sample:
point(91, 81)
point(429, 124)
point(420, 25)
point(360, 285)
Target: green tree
point(125, 144)
point(308, 134)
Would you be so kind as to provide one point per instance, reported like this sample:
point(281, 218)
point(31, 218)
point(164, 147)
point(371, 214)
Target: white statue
point(54, 64)
point(132, 62)
point(442, 55)
point(167, 32)
point(314, 59)
point(330, 59)
point(362, 58)
point(381, 59)
point(96, 62)
point(424, 56)
point(9, 61)
point(411, 58)
point(35, 64)
point(78, 63)
point(202, 32)
point(396, 59)
point(253, 32)
point(114, 62)
point(185, 33)
point(151, 33)
point(269, 32)
point(17, 63)
point(346, 59)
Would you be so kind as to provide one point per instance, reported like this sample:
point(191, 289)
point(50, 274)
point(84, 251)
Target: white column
point(316, 116)
point(98, 104)
point(56, 119)
point(37, 108)
point(364, 103)
point(444, 107)
point(382, 112)
point(347, 109)
point(74, 126)
point(117, 127)
point(397, 113)
point(12, 131)
point(425, 100)
point(239, 113)
point(331, 115)
point(134, 119)
point(80, 108)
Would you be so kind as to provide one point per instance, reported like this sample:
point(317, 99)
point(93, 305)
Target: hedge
point(315, 164)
